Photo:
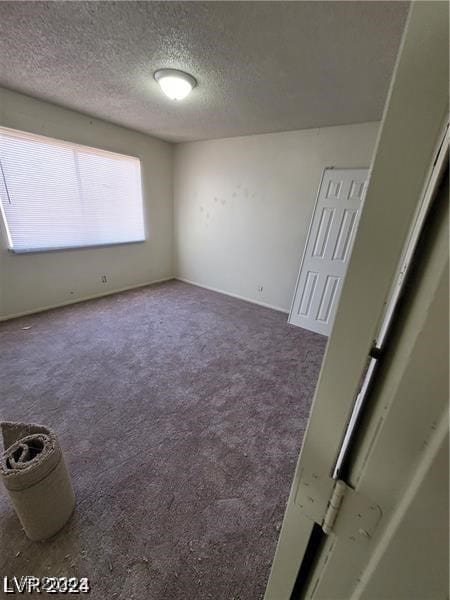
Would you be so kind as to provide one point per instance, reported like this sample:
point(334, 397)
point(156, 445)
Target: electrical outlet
point(104, 279)
point(260, 288)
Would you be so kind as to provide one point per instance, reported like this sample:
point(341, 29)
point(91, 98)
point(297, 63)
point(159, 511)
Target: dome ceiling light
point(174, 83)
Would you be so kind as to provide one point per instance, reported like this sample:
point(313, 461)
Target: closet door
point(328, 248)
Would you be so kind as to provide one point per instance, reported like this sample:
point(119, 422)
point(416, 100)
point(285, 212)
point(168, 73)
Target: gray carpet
point(181, 413)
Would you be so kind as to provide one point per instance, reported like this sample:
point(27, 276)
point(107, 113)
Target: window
point(56, 195)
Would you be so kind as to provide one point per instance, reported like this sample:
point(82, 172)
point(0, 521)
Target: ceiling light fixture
point(175, 84)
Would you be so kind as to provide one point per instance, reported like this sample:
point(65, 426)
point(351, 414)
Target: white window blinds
point(56, 195)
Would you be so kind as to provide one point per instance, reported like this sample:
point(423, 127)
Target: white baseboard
point(213, 289)
point(136, 286)
point(83, 299)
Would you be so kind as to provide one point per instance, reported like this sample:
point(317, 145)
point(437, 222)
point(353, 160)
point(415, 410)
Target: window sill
point(62, 248)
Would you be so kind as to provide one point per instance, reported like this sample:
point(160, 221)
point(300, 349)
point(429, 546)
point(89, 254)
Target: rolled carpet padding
point(35, 476)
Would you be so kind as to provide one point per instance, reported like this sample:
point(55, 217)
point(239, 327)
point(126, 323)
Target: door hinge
point(337, 508)
point(334, 505)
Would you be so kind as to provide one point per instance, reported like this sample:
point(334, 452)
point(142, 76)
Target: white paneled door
point(328, 248)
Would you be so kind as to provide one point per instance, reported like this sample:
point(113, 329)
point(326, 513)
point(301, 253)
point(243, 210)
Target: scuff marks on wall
point(259, 192)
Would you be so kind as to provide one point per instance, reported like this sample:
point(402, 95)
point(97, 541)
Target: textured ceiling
point(261, 66)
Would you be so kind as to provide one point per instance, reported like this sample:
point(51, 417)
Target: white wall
point(243, 205)
point(242, 210)
point(33, 281)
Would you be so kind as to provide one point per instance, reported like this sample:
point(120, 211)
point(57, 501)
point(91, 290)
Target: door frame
point(397, 446)
point(400, 170)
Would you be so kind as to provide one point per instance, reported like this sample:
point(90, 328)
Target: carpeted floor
point(181, 413)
